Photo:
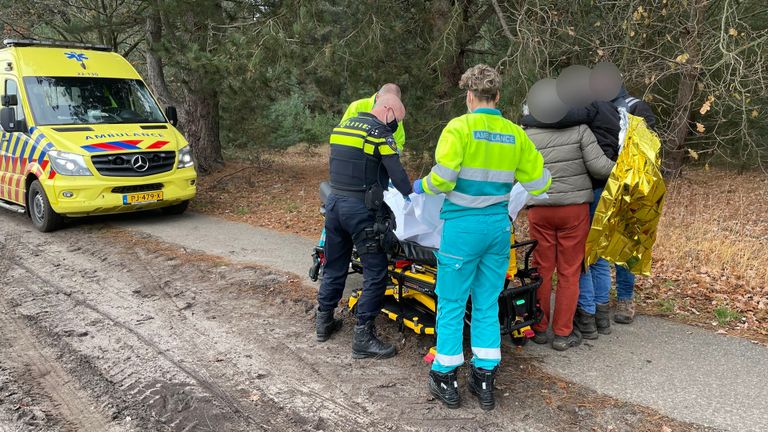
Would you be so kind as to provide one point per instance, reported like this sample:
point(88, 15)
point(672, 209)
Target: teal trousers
point(473, 260)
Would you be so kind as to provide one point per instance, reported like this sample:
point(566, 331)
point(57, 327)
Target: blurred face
point(573, 87)
point(544, 103)
point(605, 81)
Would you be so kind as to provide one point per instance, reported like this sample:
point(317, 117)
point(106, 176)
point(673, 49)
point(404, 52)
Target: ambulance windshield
point(80, 100)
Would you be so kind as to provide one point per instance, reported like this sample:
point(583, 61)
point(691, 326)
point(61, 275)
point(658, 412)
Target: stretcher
point(410, 299)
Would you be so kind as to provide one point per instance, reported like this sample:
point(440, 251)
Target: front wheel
point(176, 209)
point(44, 218)
point(519, 341)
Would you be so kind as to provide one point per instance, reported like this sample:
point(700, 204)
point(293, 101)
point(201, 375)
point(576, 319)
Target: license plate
point(141, 198)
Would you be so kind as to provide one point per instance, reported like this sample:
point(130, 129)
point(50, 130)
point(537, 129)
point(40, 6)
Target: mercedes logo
point(140, 163)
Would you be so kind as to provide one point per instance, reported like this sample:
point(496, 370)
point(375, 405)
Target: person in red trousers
point(560, 223)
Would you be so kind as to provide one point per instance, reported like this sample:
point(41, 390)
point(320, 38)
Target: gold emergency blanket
point(624, 227)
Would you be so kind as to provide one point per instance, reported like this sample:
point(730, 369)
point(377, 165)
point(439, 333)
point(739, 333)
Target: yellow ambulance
point(82, 135)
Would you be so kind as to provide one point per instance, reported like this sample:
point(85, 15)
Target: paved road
point(236, 241)
point(682, 371)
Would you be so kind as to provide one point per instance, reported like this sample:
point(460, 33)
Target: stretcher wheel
point(519, 341)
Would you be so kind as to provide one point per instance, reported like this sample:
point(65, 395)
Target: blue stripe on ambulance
point(35, 144)
point(44, 153)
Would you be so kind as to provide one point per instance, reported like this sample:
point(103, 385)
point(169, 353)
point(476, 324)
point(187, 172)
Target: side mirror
point(8, 118)
point(172, 115)
point(10, 100)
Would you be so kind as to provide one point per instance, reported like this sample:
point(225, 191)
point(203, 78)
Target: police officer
point(479, 155)
point(363, 159)
point(366, 105)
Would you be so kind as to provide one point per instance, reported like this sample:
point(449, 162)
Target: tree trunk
point(202, 95)
point(155, 72)
point(202, 126)
point(467, 31)
point(679, 125)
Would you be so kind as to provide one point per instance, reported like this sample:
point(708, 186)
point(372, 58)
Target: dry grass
point(711, 253)
point(710, 259)
point(278, 191)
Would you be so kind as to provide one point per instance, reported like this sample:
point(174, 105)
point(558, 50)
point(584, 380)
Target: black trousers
point(345, 222)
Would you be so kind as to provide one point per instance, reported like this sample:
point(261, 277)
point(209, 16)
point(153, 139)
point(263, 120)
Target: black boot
point(366, 344)
point(540, 337)
point(326, 325)
point(445, 387)
point(562, 343)
point(585, 322)
point(603, 319)
point(481, 383)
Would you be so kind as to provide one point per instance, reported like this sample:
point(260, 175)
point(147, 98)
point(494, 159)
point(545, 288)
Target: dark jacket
point(639, 108)
point(363, 153)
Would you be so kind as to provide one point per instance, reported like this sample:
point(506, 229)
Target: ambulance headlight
point(185, 158)
point(68, 163)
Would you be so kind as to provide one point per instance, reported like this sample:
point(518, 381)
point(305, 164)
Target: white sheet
point(419, 220)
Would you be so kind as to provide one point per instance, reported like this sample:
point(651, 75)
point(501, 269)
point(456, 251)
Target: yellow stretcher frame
point(428, 275)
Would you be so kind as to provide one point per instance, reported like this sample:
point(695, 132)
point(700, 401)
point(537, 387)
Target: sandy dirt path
point(108, 329)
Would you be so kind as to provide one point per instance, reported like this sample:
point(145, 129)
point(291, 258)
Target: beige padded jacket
point(571, 155)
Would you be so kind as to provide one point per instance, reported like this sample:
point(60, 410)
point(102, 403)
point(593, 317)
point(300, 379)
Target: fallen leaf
point(682, 58)
point(700, 127)
point(754, 113)
point(732, 31)
point(693, 154)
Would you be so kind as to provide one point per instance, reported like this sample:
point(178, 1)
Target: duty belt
point(350, 194)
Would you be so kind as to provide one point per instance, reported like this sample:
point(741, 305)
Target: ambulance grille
point(137, 189)
point(121, 164)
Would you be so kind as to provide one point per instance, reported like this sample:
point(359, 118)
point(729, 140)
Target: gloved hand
point(417, 188)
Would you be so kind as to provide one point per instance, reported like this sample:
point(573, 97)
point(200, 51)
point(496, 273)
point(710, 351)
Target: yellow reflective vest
point(366, 105)
point(479, 156)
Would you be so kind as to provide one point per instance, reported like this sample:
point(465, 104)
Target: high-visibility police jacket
point(366, 105)
point(363, 153)
point(479, 156)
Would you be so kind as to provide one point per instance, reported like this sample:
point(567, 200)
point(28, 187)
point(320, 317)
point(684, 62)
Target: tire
point(43, 217)
point(175, 209)
point(519, 341)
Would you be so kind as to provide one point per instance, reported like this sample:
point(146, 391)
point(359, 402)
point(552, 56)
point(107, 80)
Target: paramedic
point(478, 157)
point(366, 105)
point(363, 160)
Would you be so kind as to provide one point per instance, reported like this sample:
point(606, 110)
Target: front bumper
point(94, 195)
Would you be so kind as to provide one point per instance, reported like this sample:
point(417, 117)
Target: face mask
point(393, 124)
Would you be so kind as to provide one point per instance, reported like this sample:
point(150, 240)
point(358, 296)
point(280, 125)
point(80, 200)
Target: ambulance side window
point(11, 88)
